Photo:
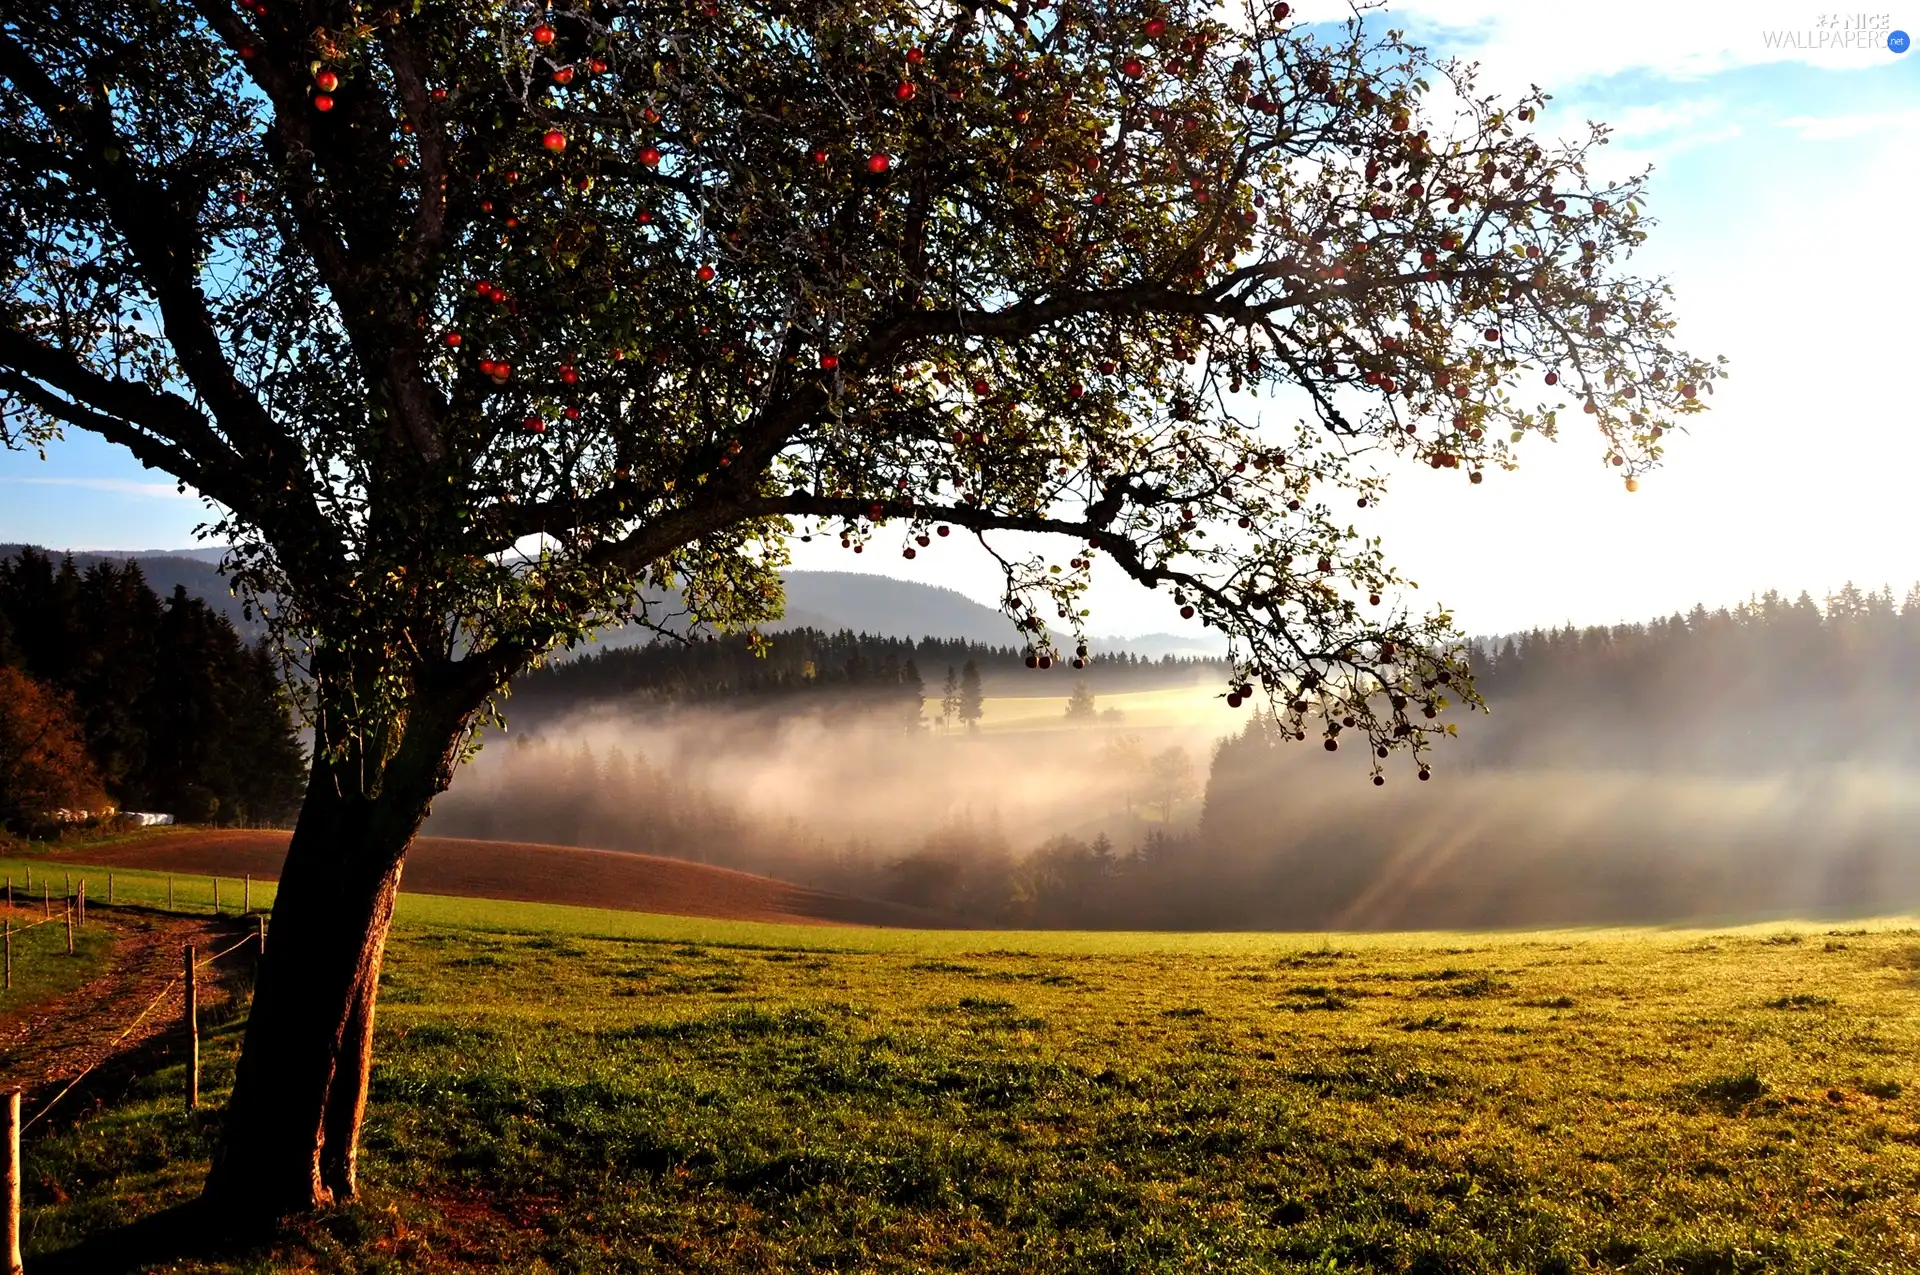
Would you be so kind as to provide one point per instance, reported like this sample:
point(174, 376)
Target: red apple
point(555, 140)
point(326, 81)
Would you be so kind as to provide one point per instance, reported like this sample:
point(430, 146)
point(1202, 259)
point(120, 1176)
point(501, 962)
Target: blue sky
point(1787, 183)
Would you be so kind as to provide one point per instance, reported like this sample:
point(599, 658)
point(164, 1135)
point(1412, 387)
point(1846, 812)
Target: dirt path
point(51, 1042)
point(528, 873)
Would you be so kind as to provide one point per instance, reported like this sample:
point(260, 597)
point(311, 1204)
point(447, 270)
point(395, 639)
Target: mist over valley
point(1717, 766)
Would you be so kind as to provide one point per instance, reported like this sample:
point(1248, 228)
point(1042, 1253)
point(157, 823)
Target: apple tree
point(482, 325)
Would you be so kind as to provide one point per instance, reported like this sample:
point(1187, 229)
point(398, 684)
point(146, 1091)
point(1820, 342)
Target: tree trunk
point(292, 1125)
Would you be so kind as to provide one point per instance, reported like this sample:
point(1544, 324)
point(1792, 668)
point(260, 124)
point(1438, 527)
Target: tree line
point(110, 695)
point(860, 667)
point(1771, 683)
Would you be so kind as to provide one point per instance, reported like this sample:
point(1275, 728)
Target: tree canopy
point(474, 318)
point(483, 324)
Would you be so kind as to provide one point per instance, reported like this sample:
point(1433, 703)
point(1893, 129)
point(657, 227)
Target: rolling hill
point(828, 600)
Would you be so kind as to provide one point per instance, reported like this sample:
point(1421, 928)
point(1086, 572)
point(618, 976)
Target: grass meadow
point(42, 969)
point(564, 1090)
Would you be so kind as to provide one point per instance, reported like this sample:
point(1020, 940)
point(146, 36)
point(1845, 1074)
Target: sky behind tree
point(1786, 144)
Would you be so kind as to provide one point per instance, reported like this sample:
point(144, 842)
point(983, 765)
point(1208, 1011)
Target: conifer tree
point(972, 701)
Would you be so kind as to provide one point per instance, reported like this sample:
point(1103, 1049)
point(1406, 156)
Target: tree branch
point(148, 450)
point(170, 422)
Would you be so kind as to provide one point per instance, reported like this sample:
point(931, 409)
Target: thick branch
point(163, 415)
point(152, 452)
point(166, 250)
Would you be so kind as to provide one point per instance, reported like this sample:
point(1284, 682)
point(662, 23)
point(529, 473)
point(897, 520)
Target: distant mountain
point(887, 607)
point(827, 600)
point(1155, 645)
point(197, 569)
point(203, 554)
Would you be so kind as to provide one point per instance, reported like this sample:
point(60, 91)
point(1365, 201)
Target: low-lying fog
point(1150, 821)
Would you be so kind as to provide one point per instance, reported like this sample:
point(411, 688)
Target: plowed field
point(527, 873)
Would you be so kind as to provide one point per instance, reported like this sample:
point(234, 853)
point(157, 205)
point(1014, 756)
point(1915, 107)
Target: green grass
point(191, 893)
point(698, 1096)
point(42, 969)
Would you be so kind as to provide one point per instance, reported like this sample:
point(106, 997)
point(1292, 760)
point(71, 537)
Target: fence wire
point(139, 1018)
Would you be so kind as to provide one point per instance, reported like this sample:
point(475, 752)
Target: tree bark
point(290, 1137)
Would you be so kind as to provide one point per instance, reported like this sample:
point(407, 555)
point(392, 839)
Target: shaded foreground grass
point(1611, 1102)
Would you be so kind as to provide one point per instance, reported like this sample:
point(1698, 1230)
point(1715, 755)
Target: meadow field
point(571, 1089)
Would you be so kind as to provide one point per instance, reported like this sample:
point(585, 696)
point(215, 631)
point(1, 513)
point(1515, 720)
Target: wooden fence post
point(9, 894)
point(9, 951)
point(260, 922)
point(169, 894)
point(247, 898)
point(192, 1024)
point(109, 889)
point(80, 903)
point(216, 896)
point(46, 899)
point(69, 885)
point(69, 927)
point(13, 1185)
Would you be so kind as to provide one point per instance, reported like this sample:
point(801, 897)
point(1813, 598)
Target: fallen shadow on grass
point(176, 1234)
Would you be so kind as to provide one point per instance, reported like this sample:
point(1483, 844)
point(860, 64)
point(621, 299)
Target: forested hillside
point(1765, 685)
point(813, 667)
point(175, 712)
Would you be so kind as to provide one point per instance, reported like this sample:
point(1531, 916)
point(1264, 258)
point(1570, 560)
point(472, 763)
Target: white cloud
point(1818, 128)
point(1556, 45)
point(117, 486)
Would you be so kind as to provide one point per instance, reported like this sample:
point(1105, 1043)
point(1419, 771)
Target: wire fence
point(10, 1230)
point(160, 998)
